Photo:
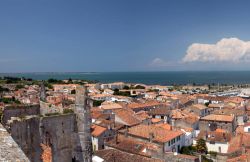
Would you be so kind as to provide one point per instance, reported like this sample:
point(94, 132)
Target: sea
point(162, 78)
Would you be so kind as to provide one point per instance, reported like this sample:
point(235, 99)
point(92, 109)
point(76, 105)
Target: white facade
point(165, 118)
point(217, 147)
point(220, 147)
point(175, 144)
point(95, 143)
point(119, 99)
point(202, 101)
point(189, 136)
point(97, 159)
point(117, 85)
point(241, 119)
point(104, 86)
point(108, 91)
point(247, 129)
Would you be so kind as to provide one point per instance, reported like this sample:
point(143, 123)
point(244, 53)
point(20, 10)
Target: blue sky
point(124, 35)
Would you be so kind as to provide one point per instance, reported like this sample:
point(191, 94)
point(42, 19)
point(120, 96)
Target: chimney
point(116, 139)
point(126, 132)
point(243, 148)
point(151, 136)
point(43, 92)
point(224, 136)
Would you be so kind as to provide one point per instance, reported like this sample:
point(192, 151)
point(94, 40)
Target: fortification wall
point(9, 150)
point(47, 108)
point(57, 132)
point(26, 134)
point(19, 111)
point(60, 130)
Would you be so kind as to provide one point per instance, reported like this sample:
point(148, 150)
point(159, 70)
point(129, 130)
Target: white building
point(247, 128)
point(216, 141)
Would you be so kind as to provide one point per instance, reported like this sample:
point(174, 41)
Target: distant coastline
point(162, 78)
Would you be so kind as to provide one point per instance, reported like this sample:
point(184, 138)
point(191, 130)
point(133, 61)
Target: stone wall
point(19, 111)
point(26, 134)
point(211, 126)
point(185, 124)
point(9, 150)
point(56, 132)
point(47, 108)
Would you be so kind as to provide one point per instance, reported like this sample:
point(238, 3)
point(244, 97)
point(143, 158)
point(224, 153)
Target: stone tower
point(43, 92)
point(83, 118)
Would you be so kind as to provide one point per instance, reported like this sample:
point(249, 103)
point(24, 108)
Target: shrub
point(68, 111)
point(73, 91)
point(52, 114)
point(201, 146)
point(97, 103)
point(19, 86)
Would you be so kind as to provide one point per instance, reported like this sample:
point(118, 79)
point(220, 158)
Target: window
point(169, 143)
point(212, 142)
point(178, 148)
point(172, 141)
point(248, 129)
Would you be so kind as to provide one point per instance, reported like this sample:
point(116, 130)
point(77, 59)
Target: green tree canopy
point(201, 146)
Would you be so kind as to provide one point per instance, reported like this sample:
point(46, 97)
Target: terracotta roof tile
point(131, 145)
point(215, 136)
point(213, 117)
point(97, 130)
point(159, 134)
point(128, 116)
point(116, 155)
point(156, 120)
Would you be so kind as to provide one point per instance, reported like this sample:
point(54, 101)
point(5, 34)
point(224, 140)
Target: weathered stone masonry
point(66, 136)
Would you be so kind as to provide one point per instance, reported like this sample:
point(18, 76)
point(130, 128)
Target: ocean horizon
point(156, 77)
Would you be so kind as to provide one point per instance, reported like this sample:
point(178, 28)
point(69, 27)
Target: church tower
point(83, 118)
point(43, 92)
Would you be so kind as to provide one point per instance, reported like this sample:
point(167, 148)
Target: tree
point(55, 81)
point(4, 89)
point(97, 102)
point(116, 91)
point(126, 87)
point(188, 150)
point(139, 87)
point(170, 89)
point(73, 91)
point(70, 81)
point(19, 86)
point(201, 146)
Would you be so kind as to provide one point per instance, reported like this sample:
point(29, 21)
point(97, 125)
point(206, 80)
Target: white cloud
point(158, 62)
point(226, 50)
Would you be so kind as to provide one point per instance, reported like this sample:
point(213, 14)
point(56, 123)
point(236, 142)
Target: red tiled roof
point(241, 139)
point(159, 134)
point(97, 130)
point(224, 118)
point(135, 105)
point(116, 155)
point(128, 116)
point(164, 126)
point(132, 145)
